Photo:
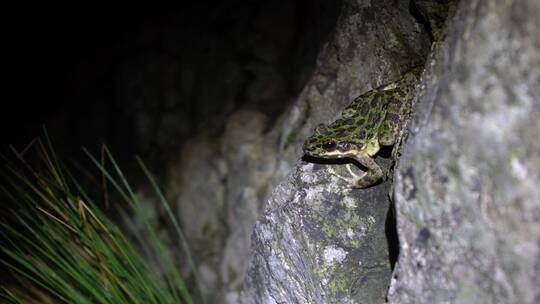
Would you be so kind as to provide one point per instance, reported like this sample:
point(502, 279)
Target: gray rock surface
point(468, 184)
point(218, 184)
point(320, 241)
point(322, 244)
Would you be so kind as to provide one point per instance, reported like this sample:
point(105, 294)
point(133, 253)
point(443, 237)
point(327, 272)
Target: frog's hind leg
point(354, 175)
point(389, 132)
point(389, 135)
point(372, 175)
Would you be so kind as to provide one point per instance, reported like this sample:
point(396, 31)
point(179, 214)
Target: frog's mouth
point(336, 154)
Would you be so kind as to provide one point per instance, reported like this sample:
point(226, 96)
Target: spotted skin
point(372, 120)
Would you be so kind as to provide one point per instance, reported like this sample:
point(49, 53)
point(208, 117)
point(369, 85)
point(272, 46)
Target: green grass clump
point(61, 248)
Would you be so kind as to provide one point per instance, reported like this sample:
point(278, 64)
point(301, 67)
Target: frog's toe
point(354, 175)
point(351, 179)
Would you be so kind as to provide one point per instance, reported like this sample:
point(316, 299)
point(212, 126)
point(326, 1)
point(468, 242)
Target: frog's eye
point(329, 145)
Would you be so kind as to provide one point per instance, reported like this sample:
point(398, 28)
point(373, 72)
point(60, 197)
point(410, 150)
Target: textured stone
point(198, 169)
point(218, 184)
point(468, 184)
point(319, 241)
point(319, 245)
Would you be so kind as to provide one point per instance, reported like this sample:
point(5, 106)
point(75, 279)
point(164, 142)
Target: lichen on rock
point(318, 245)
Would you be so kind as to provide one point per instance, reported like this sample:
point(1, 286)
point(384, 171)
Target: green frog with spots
point(372, 120)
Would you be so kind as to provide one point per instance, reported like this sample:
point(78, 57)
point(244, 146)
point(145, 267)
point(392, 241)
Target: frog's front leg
point(371, 176)
point(354, 176)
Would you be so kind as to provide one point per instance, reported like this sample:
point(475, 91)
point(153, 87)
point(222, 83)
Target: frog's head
point(333, 141)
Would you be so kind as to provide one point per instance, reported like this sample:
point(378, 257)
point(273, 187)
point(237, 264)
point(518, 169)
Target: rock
point(468, 184)
point(319, 245)
point(320, 241)
point(217, 185)
point(249, 171)
point(200, 210)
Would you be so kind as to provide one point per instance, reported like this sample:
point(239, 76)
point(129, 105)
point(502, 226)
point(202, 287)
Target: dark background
point(61, 64)
point(143, 79)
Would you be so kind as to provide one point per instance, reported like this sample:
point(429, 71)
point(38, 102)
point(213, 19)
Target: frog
point(372, 120)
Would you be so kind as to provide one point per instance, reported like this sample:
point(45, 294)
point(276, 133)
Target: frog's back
point(379, 113)
point(367, 113)
point(398, 108)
